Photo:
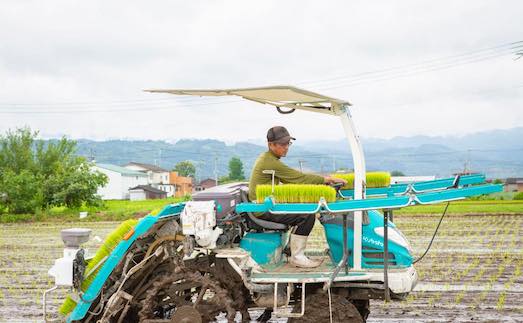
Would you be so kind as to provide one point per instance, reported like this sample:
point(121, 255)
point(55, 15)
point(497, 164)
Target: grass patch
point(112, 210)
point(123, 210)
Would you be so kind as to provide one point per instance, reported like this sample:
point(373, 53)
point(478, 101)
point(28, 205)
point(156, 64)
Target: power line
point(337, 82)
point(103, 110)
point(113, 102)
point(334, 157)
point(512, 46)
point(401, 74)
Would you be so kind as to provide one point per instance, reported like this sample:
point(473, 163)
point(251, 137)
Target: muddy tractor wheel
point(363, 308)
point(317, 310)
point(186, 297)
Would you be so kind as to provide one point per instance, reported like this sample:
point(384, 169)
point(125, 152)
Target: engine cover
point(199, 220)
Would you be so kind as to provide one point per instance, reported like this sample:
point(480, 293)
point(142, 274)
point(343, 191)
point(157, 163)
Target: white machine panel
point(199, 219)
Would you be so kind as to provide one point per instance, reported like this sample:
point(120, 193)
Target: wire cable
point(332, 83)
point(434, 235)
point(513, 46)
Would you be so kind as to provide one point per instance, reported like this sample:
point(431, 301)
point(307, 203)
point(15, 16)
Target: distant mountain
point(497, 153)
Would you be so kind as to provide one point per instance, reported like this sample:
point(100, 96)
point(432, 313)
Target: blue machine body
point(372, 244)
point(265, 247)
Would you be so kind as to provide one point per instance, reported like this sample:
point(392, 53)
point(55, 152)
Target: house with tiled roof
point(120, 179)
point(145, 192)
point(157, 176)
point(205, 184)
point(514, 184)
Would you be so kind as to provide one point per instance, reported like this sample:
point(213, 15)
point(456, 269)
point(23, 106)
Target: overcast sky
point(78, 68)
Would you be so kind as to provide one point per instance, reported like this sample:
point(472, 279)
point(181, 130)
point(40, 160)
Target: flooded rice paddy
point(472, 273)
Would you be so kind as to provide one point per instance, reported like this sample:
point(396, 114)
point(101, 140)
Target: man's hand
point(334, 180)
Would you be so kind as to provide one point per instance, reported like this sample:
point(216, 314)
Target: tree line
point(236, 173)
point(36, 175)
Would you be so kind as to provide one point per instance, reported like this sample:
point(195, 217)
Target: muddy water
point(473, 272)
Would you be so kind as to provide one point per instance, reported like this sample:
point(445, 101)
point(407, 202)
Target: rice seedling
point(501, 301)
point(459, 297)
point(296, 193)
point(373, 179)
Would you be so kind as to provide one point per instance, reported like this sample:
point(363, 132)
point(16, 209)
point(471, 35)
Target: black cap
point(279, 135)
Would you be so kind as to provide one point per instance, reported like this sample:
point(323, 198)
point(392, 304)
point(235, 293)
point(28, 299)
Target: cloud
point(73, 55)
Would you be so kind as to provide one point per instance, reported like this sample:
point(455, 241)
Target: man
point(279, 140)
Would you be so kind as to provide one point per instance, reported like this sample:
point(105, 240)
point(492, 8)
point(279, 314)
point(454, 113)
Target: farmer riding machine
point(211, 258)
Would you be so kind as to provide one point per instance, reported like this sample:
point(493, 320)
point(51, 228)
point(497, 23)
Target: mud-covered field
point(472, 273)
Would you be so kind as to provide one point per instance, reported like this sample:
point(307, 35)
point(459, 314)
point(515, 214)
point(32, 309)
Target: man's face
point(280, 150)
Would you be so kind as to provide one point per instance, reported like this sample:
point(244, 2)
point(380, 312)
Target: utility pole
point(466, 168)
point(198, 169)
point(91, 155)
point(334, 164)
point(216, 169)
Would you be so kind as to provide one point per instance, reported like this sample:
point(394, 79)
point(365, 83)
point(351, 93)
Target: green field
point(473, 272)
point(113, 210)
point(121, 210)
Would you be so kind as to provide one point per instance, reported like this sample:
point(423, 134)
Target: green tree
point(396, 173)
point(224, 180)
point(236, 169)
point(38, 175)
point(21, 192)
point(185, 168)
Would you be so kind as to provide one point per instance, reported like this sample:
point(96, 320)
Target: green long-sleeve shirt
point(283, 174)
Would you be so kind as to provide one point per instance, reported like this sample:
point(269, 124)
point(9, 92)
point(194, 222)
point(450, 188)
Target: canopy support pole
point(359, 178)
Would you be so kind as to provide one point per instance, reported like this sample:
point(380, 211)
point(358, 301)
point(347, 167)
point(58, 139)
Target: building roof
point(279, 96)
point(121, 170)
point(208, 180)
point(148, 188)
point(150, 167)
point(514, 180)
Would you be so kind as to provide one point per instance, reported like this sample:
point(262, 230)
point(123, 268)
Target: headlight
point(396, 236)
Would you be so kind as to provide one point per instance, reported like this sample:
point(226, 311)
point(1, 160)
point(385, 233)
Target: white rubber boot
point(298, 258)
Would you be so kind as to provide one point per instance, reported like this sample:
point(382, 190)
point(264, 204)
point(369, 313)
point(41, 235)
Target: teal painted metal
point(369, 204)
point(251, 207)
point(340, 206)
point(372, 244)
point(459, 193)
point(448, 182)
point(439, 184)
point(115, 257)
point(377, 191)
point(393, 202)
point(265, 247)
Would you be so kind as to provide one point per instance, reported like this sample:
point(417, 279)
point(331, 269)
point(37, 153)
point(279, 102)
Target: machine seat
point(258, 223)
point(269, 225)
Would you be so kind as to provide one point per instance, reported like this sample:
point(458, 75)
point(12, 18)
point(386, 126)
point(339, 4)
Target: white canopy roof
point(278, 96)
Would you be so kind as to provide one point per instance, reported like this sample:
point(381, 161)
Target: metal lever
point(386, 215)
point(272, 172)
point(343, 262)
